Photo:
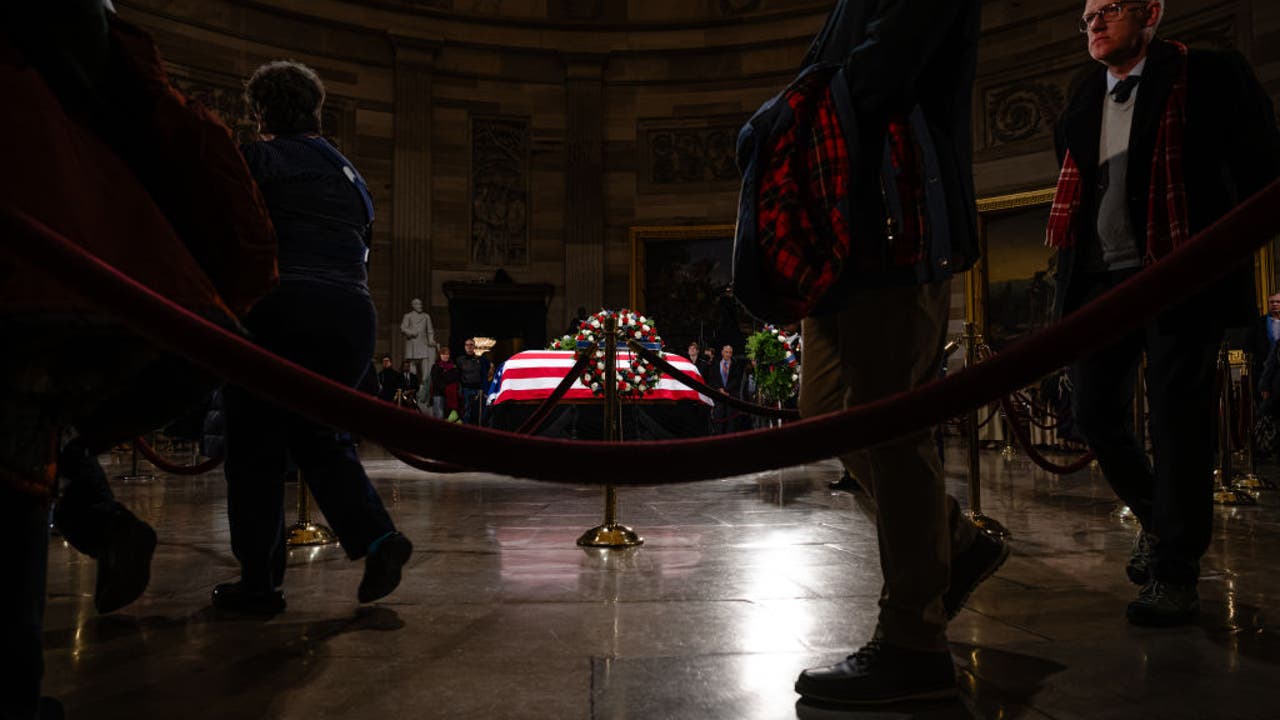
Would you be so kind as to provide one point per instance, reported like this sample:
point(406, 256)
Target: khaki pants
point(889, 341)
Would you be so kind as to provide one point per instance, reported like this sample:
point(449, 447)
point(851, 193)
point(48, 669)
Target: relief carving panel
point(499, 191)
point(678, 155)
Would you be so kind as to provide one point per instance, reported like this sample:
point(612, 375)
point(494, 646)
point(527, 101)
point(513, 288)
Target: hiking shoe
point(1163, 604)
point(971, 567)
point(124, 565)
point(879, 674)
point(1139, 567)
point(236, 597)
point(382, 567)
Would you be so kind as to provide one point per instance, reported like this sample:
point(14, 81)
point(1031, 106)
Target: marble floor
point(740, 584)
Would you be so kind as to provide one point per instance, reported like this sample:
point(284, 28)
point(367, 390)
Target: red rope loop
point(1020, 434)
point(164, 465)
point(1192, 266)
point(737, 404)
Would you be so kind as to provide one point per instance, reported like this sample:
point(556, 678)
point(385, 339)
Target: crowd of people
point(271, 239)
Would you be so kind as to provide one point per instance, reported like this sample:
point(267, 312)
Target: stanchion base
point(309, 535)
point(987, 524)
point(1094, 466)
point(1124, 514)
point(1251, 482)
point(1231, 496)
point(1008, 452)
point(610, 536)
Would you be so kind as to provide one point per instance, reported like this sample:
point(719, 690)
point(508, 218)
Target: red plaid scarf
point(1167, 226)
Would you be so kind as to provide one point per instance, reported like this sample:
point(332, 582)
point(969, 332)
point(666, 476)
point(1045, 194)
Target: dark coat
point(388, 383)
point(1231, 150)
point(898, 55)
point(734, 383)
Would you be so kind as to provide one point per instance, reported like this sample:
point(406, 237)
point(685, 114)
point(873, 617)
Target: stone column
point(584, 184)
point(411, 182)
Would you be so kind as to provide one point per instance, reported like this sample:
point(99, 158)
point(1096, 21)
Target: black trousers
point(1172, 498)
point(24, 534)
point(331, 331)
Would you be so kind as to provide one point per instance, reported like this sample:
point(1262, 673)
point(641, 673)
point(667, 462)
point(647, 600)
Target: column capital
point(414, 50)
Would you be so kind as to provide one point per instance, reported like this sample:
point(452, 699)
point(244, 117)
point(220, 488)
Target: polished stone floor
point(740, 584)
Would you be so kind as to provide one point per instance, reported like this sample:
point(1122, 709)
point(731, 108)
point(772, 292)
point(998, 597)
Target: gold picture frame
point(703, 257)
point(1031, 210)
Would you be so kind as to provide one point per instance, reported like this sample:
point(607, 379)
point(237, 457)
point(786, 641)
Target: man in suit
point(910, 67)
point(1155, 146)
point(1260, 340)
point(724, 376)
point(409, 383)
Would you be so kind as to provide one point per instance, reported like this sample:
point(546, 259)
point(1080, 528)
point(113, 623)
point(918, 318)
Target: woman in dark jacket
point(321, 316)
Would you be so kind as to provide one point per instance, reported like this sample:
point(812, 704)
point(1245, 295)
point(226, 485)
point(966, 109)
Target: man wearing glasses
point(1155, 146)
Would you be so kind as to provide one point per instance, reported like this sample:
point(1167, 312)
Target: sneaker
point(382, 567)
point(124, 565)
point(879, 674)
point(235, 597)
point(1139, 567)
point(971, 567)
point(1163, 604)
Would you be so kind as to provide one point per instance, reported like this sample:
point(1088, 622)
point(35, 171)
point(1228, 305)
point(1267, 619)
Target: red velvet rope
point(164, 465)
point(528, 427)
point(737, 404)
point(1192, 266)
point(1020, 434)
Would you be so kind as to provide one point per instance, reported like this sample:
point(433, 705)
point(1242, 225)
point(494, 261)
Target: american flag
point(533, 374)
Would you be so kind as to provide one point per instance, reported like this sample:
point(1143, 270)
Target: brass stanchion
point(1225, 494)
point(1124, 513)
point(134, 473)
point(1248, 480)
point(611, 534)
point(974, 513)
point(305, 533)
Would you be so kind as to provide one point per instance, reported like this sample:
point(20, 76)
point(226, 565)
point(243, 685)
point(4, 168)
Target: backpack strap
point(344, 166)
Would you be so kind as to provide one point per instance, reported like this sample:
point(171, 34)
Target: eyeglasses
point(1108, 13)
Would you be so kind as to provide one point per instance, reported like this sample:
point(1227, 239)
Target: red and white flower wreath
point(637, 377)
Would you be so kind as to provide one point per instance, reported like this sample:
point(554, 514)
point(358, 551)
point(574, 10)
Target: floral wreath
point(777, 366)
point(640, 376)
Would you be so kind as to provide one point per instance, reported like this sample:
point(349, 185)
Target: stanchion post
point(305, 533)
point(611, 534)
point(1225, 493)
point(134, 473)
point(1123, 512)
point(974, 513)
point(1249, 481)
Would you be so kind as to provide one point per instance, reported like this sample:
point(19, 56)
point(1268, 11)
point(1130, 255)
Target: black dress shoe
point(846, 483)
point(880, 674)
point(971, 567)
point(382, 568)
point(124, 565)
point(235, 597)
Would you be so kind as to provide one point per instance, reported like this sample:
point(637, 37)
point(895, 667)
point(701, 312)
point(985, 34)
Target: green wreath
point(777, 367)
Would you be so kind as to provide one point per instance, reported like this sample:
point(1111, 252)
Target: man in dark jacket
point(1156, 146)
point(725, 376)
point(910, 67)
point(389, 381)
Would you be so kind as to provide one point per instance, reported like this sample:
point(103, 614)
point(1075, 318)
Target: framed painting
point(1011, 289)
point(680, 276)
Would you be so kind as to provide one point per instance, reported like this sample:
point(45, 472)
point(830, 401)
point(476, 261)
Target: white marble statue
point(419, 339)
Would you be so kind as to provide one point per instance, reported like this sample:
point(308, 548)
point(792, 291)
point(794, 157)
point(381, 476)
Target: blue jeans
point(472, 405)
